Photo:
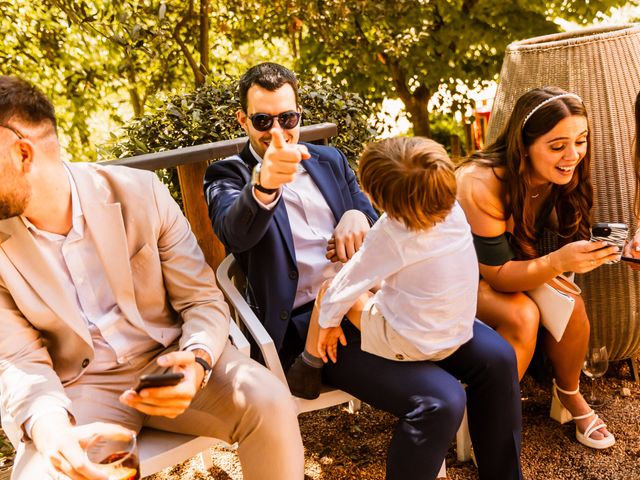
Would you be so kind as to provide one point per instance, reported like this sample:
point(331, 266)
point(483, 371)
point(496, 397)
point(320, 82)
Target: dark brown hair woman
point(536, 175)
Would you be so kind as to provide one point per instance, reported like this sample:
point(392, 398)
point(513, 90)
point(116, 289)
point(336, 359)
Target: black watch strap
point(268, 191)
point(205, 365)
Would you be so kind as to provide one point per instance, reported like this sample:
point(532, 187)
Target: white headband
point(543, 103)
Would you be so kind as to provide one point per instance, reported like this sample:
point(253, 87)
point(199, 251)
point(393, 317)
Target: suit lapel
point(280, 215)
point(104, 219)
point(23, 252)
point(322, 175)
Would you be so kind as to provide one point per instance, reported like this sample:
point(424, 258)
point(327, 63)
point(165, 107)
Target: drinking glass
point(116, 455)
point(595, 365)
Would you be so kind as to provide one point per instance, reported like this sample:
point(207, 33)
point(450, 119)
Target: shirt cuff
point(200, 346)
point(269, 206)
point(28, 425)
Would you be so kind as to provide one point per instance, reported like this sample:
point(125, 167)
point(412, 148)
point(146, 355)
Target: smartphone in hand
point(168, 379)
point(630, 259)
point(612, 233)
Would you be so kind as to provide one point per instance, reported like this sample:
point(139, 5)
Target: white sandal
point(560, 414)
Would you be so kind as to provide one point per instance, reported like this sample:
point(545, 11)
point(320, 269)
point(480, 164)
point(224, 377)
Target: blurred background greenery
point(134, 76)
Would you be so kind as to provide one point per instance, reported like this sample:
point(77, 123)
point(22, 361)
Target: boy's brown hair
point(411, 178)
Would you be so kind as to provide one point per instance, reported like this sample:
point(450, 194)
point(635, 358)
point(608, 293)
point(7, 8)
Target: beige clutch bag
point(555, 305)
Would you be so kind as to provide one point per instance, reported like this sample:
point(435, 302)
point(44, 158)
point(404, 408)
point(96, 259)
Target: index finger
point(80, 463)
point(178, 358)
point(277, 139)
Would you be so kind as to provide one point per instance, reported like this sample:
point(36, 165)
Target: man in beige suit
point(101, 280)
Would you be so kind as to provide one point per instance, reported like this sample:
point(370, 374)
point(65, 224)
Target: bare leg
point(566, 358)
point(514, 316)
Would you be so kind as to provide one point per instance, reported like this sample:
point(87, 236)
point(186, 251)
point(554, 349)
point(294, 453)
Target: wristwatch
point(200, 359)
point(255, 181)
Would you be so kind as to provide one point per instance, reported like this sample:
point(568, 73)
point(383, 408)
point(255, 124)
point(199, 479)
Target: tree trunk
point(415, 102)
point(419, 116)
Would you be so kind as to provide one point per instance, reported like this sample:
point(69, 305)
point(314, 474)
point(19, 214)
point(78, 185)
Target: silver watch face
point(255, 175)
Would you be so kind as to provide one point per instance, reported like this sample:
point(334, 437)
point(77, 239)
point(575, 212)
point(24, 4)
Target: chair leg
point(207, 459)
point(634, 368)
point(463, 440)
point(354, 405)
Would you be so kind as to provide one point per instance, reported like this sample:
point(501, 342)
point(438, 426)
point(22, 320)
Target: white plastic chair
point(231, 279)
point(159, 449)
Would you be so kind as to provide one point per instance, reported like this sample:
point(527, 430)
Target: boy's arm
point(379, 257)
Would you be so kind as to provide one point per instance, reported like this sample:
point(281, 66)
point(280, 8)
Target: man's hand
point(632, 249)
point(169, 401)
point(63, 445)
point(328, 343)
point(280, 162)
point(348, 236)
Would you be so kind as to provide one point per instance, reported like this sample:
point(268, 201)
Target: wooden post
point(455, 149)
point(195, 209)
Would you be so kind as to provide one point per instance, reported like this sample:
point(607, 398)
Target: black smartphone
point(168, 379)
point(630, 259)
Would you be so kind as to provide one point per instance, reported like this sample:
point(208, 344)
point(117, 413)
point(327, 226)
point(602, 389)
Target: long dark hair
point(572, 201)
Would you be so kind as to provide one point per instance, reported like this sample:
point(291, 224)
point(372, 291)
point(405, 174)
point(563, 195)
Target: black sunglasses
point(287, 120)
point(17, 132)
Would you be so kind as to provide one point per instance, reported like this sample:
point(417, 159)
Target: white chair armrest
point(248, 319)
point(238, 339)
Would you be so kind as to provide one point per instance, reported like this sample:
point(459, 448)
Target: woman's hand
point(583, 256)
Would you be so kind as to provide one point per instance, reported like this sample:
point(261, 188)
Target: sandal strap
point(586, 415)
point(593, 427)
point(566, 392)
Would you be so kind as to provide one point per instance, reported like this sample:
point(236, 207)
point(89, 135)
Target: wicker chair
point(601, 65)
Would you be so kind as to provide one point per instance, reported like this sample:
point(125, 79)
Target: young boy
point(420, 253)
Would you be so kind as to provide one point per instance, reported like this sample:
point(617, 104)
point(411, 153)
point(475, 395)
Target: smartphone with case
point(612, 233)
point(168, 379)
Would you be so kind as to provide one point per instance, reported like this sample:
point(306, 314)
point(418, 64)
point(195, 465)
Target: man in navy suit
point(291, 213)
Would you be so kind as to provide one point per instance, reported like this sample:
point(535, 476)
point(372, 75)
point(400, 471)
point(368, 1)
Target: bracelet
point(556, 271)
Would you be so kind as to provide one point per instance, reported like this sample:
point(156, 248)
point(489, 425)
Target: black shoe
point(304, 380)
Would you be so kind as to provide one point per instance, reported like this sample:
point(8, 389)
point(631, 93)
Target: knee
point(500, 361)
point(523, 319)
point(429, 413)
point(269, 401)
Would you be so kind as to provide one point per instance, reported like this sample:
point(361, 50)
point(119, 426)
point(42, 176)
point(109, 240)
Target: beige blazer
point(153, 264)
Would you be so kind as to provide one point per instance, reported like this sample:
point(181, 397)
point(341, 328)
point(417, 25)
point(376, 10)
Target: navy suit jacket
point(261, 240)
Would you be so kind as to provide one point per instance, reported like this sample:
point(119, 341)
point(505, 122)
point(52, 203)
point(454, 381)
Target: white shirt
point(312, 225)
point(429, 281)
point(75, 261)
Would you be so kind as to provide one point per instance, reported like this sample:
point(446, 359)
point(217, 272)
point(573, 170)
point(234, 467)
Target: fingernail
point(637, 248)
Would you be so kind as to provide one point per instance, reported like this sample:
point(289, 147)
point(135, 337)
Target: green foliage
point(442, 127)
point(409, 48)
point(208, 114)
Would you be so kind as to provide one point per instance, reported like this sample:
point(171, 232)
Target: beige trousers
point(243, 402)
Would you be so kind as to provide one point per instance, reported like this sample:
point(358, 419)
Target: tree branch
point(199, 77)
point(204, 37)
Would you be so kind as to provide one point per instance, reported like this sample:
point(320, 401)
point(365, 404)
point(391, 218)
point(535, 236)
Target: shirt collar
point(254, 153)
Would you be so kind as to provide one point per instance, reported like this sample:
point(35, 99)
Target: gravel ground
point(340, 445)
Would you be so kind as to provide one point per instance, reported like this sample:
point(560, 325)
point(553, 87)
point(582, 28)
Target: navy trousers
point(429, 401)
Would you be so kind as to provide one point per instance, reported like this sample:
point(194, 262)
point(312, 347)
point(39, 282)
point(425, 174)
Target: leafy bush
point(208, 114)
